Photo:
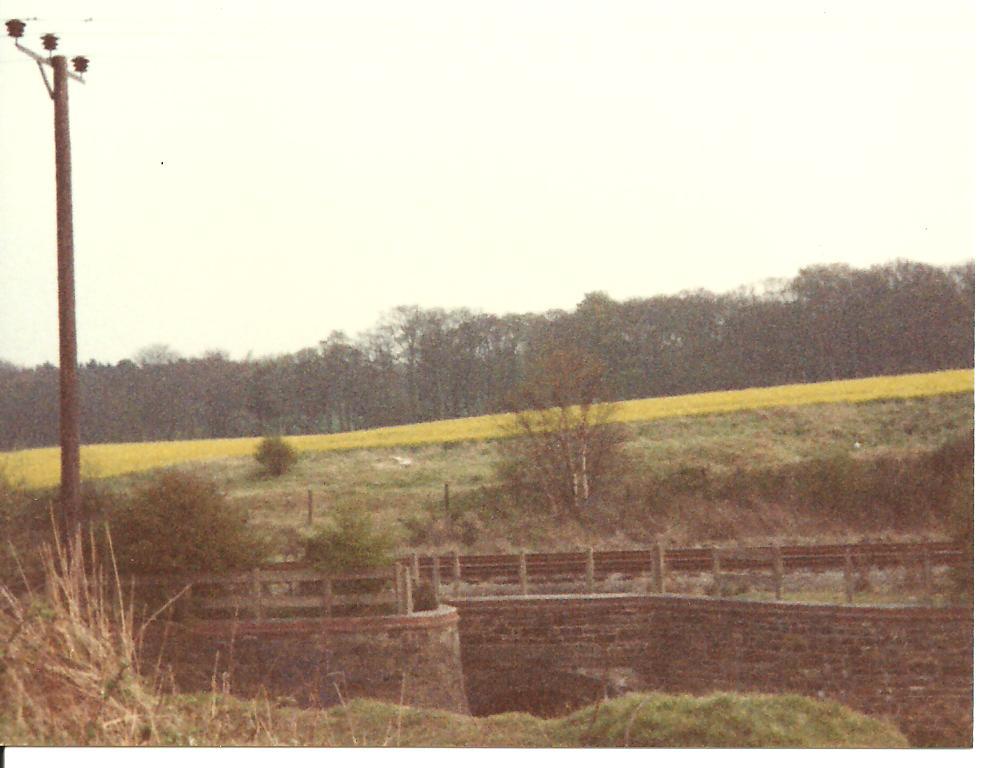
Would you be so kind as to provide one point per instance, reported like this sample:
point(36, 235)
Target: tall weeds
point(68, 658)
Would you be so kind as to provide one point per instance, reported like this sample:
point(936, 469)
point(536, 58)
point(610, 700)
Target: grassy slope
point(371, 480)
point(636, 720)
point(39, 467)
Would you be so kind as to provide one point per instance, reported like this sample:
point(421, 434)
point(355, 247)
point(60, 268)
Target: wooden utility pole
point(70, 497)
point(68, 388)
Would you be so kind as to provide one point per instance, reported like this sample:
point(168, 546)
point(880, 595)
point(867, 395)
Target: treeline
point(829, 322)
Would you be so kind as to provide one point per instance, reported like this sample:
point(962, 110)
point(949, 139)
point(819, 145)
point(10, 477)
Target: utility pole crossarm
point(46, 60)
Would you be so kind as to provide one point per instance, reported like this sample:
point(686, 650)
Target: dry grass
point(67, 663)
point(39, 467)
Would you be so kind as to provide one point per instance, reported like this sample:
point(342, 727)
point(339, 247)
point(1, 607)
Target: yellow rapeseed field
point(39, 467)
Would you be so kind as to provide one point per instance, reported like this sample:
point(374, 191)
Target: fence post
point(436, 575)
point(447, 505)
point(717, 578)
point(590, 571)
point(327, 592)
point(256, 592)
point(659, 548)
point(848, 576)
point(407, 592)
point(653, 587)
point(863, 582)
point(927, 574)
point(456, 568)
point(777, 569)
point(523, 572)
point(309, 506)
point(398, 585)
point(416, 568)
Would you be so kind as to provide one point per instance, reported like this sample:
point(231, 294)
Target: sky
point(252, 176)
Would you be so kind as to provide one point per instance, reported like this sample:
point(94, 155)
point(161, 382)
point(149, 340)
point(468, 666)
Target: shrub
point(180, 522)
point(350, 543)
point(424, 530)
point(275, 455)
point(424, 598)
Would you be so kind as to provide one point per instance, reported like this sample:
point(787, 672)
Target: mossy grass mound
point(635, 720)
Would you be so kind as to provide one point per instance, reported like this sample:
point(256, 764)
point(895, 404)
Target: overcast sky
point(251, 175)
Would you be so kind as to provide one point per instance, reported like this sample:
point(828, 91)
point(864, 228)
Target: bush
point(351, 543)
point(275, 455)
point(178, 522)
point(424, 598)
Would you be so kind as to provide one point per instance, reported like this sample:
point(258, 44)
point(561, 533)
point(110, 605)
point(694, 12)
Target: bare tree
point(156, 354)
point(566, 445)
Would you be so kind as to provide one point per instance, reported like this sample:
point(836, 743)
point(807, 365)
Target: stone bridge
point(549, 653)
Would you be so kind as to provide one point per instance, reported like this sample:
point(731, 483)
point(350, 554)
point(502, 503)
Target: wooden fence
point(526, 569)
point(288, 590)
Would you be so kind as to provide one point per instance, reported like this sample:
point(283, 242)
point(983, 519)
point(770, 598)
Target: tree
point(421, 364)
point(352, 542)
point(177, 522)
point(567, 448)
point(156, 354)
point(275, 455)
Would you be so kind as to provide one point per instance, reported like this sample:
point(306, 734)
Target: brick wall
point(913, 665)
point(383, 657)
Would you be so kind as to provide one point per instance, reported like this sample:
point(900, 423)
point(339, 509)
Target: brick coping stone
point(443, 616)
point(723, 603)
